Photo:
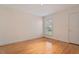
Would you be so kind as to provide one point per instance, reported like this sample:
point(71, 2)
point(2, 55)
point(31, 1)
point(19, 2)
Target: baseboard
point(74, 44)
point(20, 41)
point(62, 41)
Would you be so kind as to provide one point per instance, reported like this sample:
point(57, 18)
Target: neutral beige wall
point(60, 23)
point(18, 26)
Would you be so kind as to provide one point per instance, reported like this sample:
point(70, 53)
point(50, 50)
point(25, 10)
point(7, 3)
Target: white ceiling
point(41, 10)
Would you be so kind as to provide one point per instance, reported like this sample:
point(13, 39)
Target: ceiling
point(41, 10)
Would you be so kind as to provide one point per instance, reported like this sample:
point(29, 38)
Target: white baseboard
point(15, 41)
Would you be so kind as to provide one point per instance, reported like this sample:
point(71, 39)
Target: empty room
point(39, 29)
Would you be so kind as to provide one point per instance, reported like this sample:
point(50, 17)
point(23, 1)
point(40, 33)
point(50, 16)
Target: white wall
point(18, 26)
point(74, 28)
point(60, 23)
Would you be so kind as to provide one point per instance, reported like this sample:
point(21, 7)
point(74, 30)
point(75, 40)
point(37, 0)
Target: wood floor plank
point(40, 46)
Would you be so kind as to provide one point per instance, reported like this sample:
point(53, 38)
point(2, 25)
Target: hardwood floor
point(40, 46)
